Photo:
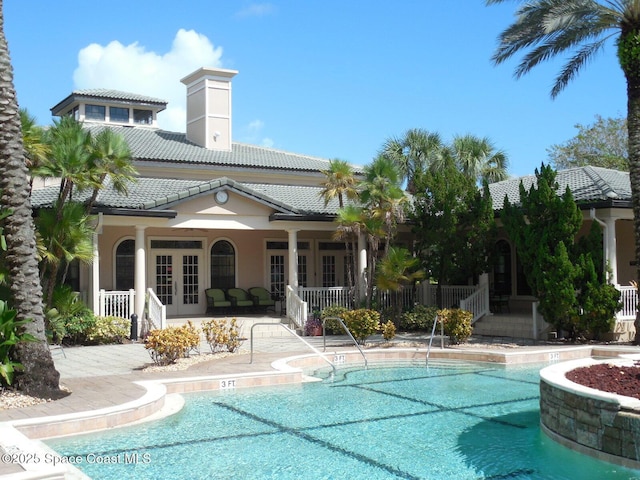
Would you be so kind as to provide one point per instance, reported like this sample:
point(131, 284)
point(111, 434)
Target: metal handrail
point(433, 331)
point(324, 337)
point(295, 335)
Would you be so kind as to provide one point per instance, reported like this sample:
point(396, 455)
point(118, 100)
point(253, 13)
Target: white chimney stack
point(209, 107)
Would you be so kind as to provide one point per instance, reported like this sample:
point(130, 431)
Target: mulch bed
point(623, 380)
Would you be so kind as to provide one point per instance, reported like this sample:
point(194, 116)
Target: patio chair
point(262, 298)
point(216, 299)
point(240, 299)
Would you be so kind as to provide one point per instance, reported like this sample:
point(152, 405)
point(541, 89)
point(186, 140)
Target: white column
point(139, 282)
point(610, 249)
point(362, 265)
point(95, 276)
point(293, 260)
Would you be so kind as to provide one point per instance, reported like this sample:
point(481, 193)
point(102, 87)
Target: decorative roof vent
point(209, 107)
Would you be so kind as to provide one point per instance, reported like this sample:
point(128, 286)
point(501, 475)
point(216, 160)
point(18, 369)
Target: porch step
point(504, 326)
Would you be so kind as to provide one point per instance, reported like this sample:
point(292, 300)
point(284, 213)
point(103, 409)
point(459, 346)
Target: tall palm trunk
point(40, 378)
point(631, 69)
point(633, 122)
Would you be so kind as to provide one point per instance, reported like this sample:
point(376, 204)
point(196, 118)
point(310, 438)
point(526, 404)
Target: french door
point(177, 280)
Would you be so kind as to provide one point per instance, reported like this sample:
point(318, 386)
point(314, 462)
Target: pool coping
point(24, 436)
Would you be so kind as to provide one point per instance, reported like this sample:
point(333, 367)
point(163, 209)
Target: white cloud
point(255, 126)
point(252, 133)
point(132, 68)
point(256, 10)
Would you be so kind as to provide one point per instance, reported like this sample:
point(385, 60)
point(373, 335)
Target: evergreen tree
point(454, 225)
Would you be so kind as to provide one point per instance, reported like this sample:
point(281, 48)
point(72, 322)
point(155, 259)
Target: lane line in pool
point(461, 409)
point(310, 438)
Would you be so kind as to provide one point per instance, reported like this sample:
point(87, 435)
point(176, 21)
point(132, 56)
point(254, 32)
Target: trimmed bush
point(166, 346)
point(221, 335)
point(419, 319)
point(388, 330)
point(108, 330)
point(362, 323)
point(457, 324)
point(332, 327)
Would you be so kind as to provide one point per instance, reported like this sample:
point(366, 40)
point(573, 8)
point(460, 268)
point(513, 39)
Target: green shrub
point(362, 323)
point(388, 330)
point(109, 330)
point(221, 335)
point(332, 327)
point(419, 319)
point(457, 324)
point(77, 325)
point(601, 302)
point(9, 336)
point(168, 345)
point(69, 318)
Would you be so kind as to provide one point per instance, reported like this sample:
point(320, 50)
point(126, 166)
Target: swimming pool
point(452, 421)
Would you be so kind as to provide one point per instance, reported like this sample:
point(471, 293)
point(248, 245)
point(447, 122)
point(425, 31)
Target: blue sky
point(327, 78)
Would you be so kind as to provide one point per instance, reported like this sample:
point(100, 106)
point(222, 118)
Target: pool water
point(450, 421)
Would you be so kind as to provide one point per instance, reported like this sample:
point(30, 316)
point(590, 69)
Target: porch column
point(610, 248)
point(95, 276)
point(139, 283)
point(362, 265)
point(293, 259)
point(95, 269)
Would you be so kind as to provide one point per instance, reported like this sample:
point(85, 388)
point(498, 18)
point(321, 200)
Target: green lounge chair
point(262, 299)
point(216, 300)
point(240, 299)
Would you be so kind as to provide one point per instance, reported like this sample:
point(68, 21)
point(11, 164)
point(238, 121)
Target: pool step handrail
point(433, 331)
point(344, 327)
point(292, 332)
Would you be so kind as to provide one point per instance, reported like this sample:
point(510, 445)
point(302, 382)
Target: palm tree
point(382, 195)
point(546, 28)
point(395, 271)
point(69, 238)
point(349, 226)
point(35, 147)
point(340, 183)
point(71, 154)
point(416, 151)
point(479, 159)
point(111, 158)
point(39, 378)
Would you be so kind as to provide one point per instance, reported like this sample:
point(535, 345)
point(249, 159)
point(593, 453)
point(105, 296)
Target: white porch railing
point(477, 303)
point(323, 297)
point(297, 308)
point(629, 299)
point(451, 294)
point(157, 312)
point(117, 303)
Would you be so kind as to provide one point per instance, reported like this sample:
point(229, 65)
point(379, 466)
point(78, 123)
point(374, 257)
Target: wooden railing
point(117, 303)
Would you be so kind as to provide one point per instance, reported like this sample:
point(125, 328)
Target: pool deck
point(108, 379)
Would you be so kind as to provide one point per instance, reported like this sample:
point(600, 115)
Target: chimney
point(209, 107)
